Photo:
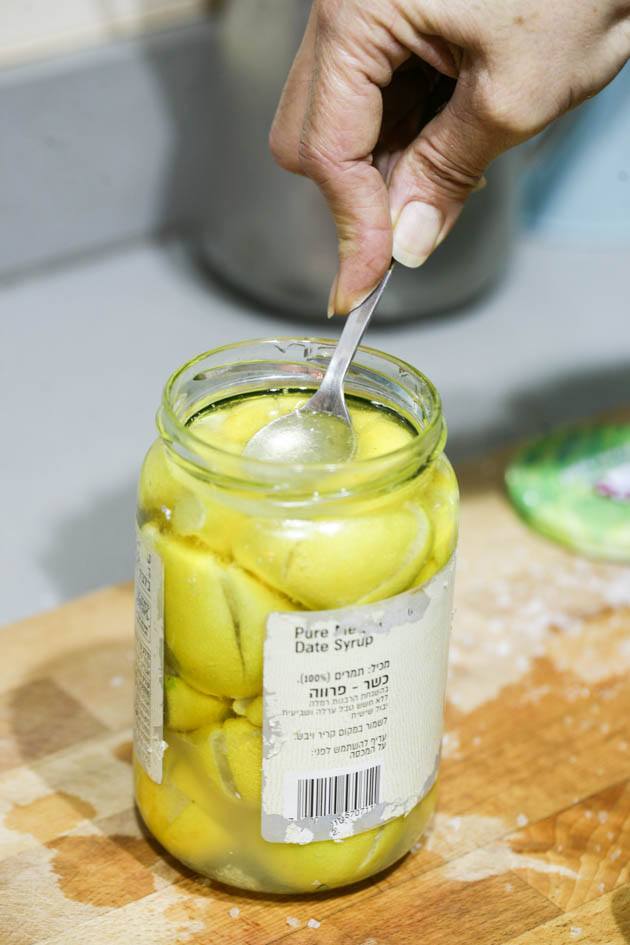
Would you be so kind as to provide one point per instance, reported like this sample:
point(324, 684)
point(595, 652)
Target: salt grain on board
point(522, 664)
point(535, 695)
point(508, 628)
point(313, 924)
point(449, 835)
point(234, 912)
point(450, 744)
point(293, 922)
point(575, 932)
point(522, 820)
point(497, 859)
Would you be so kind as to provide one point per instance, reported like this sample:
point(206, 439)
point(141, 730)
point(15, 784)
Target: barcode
point(339, 793)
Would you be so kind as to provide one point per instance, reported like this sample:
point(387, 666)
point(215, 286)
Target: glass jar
point(292, 624)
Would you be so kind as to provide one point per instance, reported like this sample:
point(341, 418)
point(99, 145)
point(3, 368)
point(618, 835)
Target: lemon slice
point(328, 863)
point(160, 804)
point(184, 504)
point(200, 768)
point(187, 708)
point(233, 875)
point(243, 749)
point(252, 709)
point(379, 435)
point(196, 839)
point(214, 617)
point(231, 426)
point(324, 564)
point(227, 758)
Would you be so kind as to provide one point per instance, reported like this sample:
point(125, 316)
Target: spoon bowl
point(304, 436)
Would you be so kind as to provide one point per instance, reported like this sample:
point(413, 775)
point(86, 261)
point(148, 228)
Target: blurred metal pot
point(270, 233)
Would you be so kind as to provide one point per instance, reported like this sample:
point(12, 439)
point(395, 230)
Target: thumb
point(435, 175)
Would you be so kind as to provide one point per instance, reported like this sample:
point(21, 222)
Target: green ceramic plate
point(574, 486)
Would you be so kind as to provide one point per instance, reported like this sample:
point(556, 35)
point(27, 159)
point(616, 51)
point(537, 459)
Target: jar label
point(149, 632)
point(353, 712)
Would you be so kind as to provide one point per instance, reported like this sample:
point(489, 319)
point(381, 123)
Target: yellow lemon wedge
point(231, 427)
point(184, 504)
point(380, 434)
point(198, 840)
point(326, 564)
point(440, 497)
point(327, 864)
point(234, 875)
point(243, 749)
point(214, 617)
point(187, 708)
point(323, 864)
point(200, 768)
point(159, 804)
point(255, 711)
point(218, 763)
point(252, 709)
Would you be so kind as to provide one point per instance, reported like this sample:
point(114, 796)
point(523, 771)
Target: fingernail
point(346, 304)
point(481, 183)
point(332, 297)
point(416, 232)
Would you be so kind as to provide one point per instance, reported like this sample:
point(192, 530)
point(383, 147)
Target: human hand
point(362, 82)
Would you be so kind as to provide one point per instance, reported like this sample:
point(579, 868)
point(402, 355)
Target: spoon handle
point(327, 397)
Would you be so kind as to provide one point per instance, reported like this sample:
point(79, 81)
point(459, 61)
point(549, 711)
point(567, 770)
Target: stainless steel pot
point(270, 233)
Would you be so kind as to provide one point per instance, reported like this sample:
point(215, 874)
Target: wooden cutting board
point(532, 840)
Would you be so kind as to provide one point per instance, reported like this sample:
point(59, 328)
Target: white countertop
point(85, 350)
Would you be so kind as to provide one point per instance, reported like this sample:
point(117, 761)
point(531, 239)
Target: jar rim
point(248, 472)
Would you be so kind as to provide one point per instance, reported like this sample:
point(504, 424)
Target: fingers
point(341, 129)
point(286, 130)
point(357, 197)
point(328, 127)
point(436, 174)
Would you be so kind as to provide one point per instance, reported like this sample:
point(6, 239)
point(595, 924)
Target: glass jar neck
point(298, 364)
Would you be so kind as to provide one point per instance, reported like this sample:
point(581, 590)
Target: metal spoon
point(321, 430)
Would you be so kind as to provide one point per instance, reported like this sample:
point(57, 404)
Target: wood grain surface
point(531, 842)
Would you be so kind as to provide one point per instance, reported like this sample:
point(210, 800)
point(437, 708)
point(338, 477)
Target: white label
point(148, 716)
point(353, 712)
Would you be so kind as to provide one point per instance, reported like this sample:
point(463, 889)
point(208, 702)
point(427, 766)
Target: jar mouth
point(292, 363)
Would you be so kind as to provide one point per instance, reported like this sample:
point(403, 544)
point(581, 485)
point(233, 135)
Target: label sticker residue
point(149, 663)
point(353, 712)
